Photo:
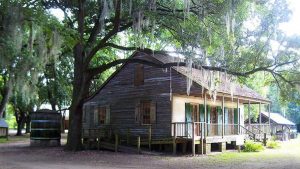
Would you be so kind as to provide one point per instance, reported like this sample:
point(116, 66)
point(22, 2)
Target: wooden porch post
point(205, 115)
point(238, 112)
point(193, 139)
point(249, 115)
point(269, 109)
point(259, 109)
point(174, 140)
point(223, 116)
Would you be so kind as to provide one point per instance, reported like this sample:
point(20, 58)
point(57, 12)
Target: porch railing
point(259, 128)
point(231, 129)
point(214, 129)
point(188, 129)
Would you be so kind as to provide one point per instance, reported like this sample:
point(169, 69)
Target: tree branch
point(98, 70)
point(102, 42)
point(111, 33)
point(120, 47)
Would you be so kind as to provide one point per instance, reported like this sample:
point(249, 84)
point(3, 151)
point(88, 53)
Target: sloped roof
point(278, 118)
point(197, 76)
point(163, 57)
point(3, 123)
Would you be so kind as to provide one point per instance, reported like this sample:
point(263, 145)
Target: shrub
point(273, 138)
point(251, 146)
point(273, 144)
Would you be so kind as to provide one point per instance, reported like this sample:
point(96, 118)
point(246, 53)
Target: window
point(102, 115)
point(139, 75)
point(145, 112)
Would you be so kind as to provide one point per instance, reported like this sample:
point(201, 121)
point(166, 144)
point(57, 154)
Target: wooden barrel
point(45, 128)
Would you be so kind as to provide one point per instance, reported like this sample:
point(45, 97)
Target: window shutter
point(235, 116)
point(226, 115)
point(202, 112)
point(208, 114)
point(107, 116)
point(137, 112)
point(153, 112)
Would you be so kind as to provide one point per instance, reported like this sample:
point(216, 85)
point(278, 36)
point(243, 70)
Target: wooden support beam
point(202, 138)
point(265, 139)
point(269, 110)
point(259, 111)
point(249, 115)
point(138, 144)
point(193, 139)
point(238, 112)
point(174, 140)
point(223, 116)
point(149, 136)
point(116, 142)
point(205, 115)
point(174, 145)
point(6, 134)
point(98, 144)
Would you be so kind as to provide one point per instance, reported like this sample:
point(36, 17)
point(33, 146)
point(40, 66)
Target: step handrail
point(260, 131)
point(248, 131)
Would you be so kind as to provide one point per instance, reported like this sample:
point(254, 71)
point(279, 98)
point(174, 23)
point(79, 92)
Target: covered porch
point(203, 121)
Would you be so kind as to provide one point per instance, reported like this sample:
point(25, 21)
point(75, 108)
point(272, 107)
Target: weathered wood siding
point(121, 95)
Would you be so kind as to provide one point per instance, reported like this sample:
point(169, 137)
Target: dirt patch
point(18, 155)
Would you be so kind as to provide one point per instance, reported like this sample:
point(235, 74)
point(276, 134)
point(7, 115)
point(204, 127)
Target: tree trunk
point(81, 85)
point(53, 106)
point(5, 96)
point(19, 128)
point(27, 124)
point(63, 115)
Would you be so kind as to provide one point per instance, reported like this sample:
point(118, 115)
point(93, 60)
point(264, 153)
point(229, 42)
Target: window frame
point(97, 115)
point(145, 104)
point(148, 117)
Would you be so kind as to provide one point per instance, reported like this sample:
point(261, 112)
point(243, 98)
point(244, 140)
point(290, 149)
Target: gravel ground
point(18, 155)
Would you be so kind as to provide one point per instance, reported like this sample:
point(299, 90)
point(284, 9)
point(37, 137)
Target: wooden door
point(191, 115)
point(196, 117)
point(188, 119)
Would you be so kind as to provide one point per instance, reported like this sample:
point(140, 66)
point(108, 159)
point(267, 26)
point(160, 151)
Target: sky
point(291, 27)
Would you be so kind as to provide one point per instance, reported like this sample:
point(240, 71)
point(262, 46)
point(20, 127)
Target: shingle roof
point(278, 118)
point(3, 123)
point(197, 76)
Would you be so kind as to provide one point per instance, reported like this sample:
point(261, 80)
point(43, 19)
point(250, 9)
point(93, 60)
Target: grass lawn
point(12, 139)
point(288, 150)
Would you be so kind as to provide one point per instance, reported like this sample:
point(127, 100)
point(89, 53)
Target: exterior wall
point(178, 106)
point(121, 96)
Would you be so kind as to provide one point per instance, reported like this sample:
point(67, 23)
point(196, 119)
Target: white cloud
point(292, 27)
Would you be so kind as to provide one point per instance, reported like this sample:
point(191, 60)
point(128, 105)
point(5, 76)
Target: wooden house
point(3, 128)
point(281, 127)
point(152, 103)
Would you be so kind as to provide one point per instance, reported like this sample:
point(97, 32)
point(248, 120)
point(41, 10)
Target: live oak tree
point(27, 42)
point(213, 33)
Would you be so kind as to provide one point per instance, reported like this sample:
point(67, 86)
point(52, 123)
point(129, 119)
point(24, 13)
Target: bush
point(273, 144)
point(251, 146)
